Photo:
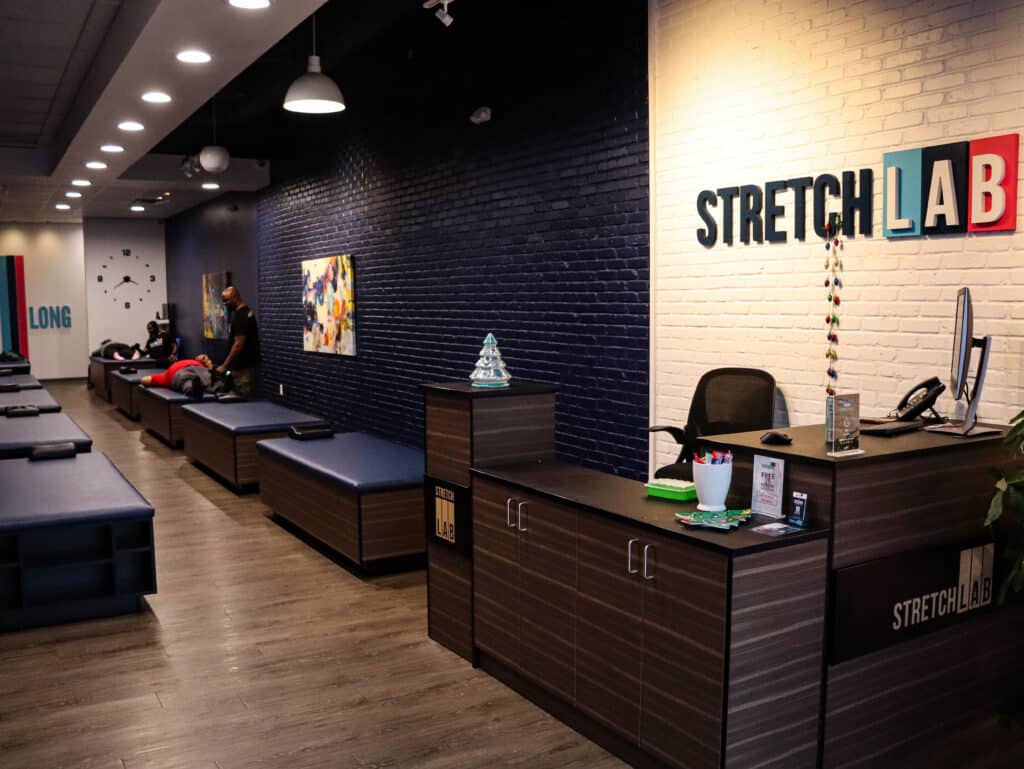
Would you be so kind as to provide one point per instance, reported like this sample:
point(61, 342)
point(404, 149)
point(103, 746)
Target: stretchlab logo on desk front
point(894, 599)
point(968, 186)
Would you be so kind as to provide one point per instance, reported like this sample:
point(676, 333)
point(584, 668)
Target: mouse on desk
point(776, 438)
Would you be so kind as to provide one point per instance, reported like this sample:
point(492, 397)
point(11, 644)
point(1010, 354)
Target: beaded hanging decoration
point(833, 285)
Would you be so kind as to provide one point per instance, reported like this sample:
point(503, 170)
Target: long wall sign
point(949, 188)
point(884, 602)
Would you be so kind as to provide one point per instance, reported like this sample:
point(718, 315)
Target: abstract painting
point(329, 305)
point(215, 318)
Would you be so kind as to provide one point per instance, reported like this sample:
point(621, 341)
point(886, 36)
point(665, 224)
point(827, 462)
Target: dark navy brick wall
point(212, 238)
point(534, 227)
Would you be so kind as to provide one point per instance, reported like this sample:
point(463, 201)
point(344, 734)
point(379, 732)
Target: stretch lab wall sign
point(949, 188)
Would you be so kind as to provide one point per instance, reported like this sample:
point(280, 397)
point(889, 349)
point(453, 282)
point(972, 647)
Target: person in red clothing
point(165, 379)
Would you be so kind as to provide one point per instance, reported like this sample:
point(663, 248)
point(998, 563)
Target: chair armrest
point(679, 433)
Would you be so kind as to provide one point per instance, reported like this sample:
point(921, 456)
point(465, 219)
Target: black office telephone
point(919, 399)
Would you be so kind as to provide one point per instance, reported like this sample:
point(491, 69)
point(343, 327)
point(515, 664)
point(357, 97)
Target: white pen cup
point(712, 482)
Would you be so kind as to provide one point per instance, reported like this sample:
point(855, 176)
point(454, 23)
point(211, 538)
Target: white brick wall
point(747, 91)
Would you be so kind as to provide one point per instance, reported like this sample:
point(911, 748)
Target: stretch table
point(19, 435)
point(40, 398)
point(76, 541)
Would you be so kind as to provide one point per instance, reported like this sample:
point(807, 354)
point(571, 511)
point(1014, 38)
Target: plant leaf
point(1018, 418)
point(995, 508)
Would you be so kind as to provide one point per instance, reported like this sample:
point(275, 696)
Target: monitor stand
point(969, 425)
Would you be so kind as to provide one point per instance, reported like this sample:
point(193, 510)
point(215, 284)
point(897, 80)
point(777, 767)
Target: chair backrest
point(732, 400)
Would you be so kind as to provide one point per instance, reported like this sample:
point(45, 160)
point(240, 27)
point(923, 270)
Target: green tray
point(676, 495)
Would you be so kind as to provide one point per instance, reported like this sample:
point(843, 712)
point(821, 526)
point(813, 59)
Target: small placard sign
point(449, 514)
point(894, 599)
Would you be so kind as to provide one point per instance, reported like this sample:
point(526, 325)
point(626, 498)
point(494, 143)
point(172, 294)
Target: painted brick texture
point(746, 91)
point(534, 227)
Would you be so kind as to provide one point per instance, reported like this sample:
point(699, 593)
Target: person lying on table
point(166, 378)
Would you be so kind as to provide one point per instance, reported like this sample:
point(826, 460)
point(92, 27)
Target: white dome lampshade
point(214, 159)
point(314, 93)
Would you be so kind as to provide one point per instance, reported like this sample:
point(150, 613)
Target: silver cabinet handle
point(519, 516)
point(629, 557)
point(647, 574)
point(508, 513)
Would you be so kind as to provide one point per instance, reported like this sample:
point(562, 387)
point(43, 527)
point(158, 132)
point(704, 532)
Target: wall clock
point(127, 278)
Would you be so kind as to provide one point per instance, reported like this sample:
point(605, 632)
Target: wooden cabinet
point(684, 621)
point(609, 625)
point(627, 625)
point(524, 577)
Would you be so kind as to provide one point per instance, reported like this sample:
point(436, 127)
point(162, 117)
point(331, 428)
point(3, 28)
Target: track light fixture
point(442, 10)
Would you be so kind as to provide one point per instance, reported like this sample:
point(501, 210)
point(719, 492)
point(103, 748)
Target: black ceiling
point(382, 53)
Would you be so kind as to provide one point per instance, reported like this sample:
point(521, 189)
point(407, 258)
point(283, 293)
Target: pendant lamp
point(314, 93)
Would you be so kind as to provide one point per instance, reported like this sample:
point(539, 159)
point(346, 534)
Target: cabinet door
point(608, 625)
point(496, 591)
point(547, 571)
point(684, 621)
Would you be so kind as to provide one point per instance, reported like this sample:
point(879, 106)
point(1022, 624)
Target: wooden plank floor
point(260, 653)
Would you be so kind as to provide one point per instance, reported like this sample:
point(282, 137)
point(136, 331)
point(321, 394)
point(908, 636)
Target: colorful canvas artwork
point(215, 318)
point(329, 303)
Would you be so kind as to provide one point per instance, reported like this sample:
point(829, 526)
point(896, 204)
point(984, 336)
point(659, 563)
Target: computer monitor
point(963, 336)
point(964, 343)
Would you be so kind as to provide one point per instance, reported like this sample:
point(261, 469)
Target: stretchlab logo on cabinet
point(449, 514)
point(885, 602)
point(953, 188)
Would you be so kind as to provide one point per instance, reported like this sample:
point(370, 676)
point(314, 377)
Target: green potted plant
point(1006, 515)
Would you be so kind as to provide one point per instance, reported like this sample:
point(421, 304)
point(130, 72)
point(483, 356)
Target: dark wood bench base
point(232, 458)
point(161, 418)
point(124, 396)
point(367, 529)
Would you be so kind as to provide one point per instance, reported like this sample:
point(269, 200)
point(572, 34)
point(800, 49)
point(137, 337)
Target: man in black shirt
point(244, 339)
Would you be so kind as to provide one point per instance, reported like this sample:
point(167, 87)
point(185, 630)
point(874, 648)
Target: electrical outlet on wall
point(280, 390)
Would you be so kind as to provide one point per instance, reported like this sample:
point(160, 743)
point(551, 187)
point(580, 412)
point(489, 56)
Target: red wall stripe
point(19, 273)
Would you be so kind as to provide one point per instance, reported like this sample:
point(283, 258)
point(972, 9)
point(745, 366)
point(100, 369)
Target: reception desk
point(701, 649)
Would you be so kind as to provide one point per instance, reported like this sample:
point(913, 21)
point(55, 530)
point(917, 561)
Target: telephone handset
point(919, 399)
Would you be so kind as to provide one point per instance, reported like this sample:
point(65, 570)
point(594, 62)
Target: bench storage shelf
point(358, 494)
point(64, 558)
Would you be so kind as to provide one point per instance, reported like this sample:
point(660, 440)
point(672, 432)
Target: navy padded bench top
point(136, 377)
point(167, 395)
point(359, 461)
point(18, 436)
point(249, 417)
point(18, 367)
point(40, 398)
point(23, 381)
point(85, 488)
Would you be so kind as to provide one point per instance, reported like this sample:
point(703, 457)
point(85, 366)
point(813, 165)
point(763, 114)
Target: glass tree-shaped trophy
point(490, 369)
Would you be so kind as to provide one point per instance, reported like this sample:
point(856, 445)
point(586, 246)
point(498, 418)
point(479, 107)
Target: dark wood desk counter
point(627, 500)
point(673, 647)
point(809, 445)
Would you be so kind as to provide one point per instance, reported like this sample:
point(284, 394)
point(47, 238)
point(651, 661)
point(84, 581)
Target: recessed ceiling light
point(72, 194)
point(130, 125)
point(211, 186)
point(138, 208)
point(96, 165)
point(156, 97)
point(62, 207)
point(250, 5)
point(81, 183)
point(111, 148)
point(193, 56)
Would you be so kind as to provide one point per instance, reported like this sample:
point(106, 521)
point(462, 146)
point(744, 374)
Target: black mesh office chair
point(727, 400)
